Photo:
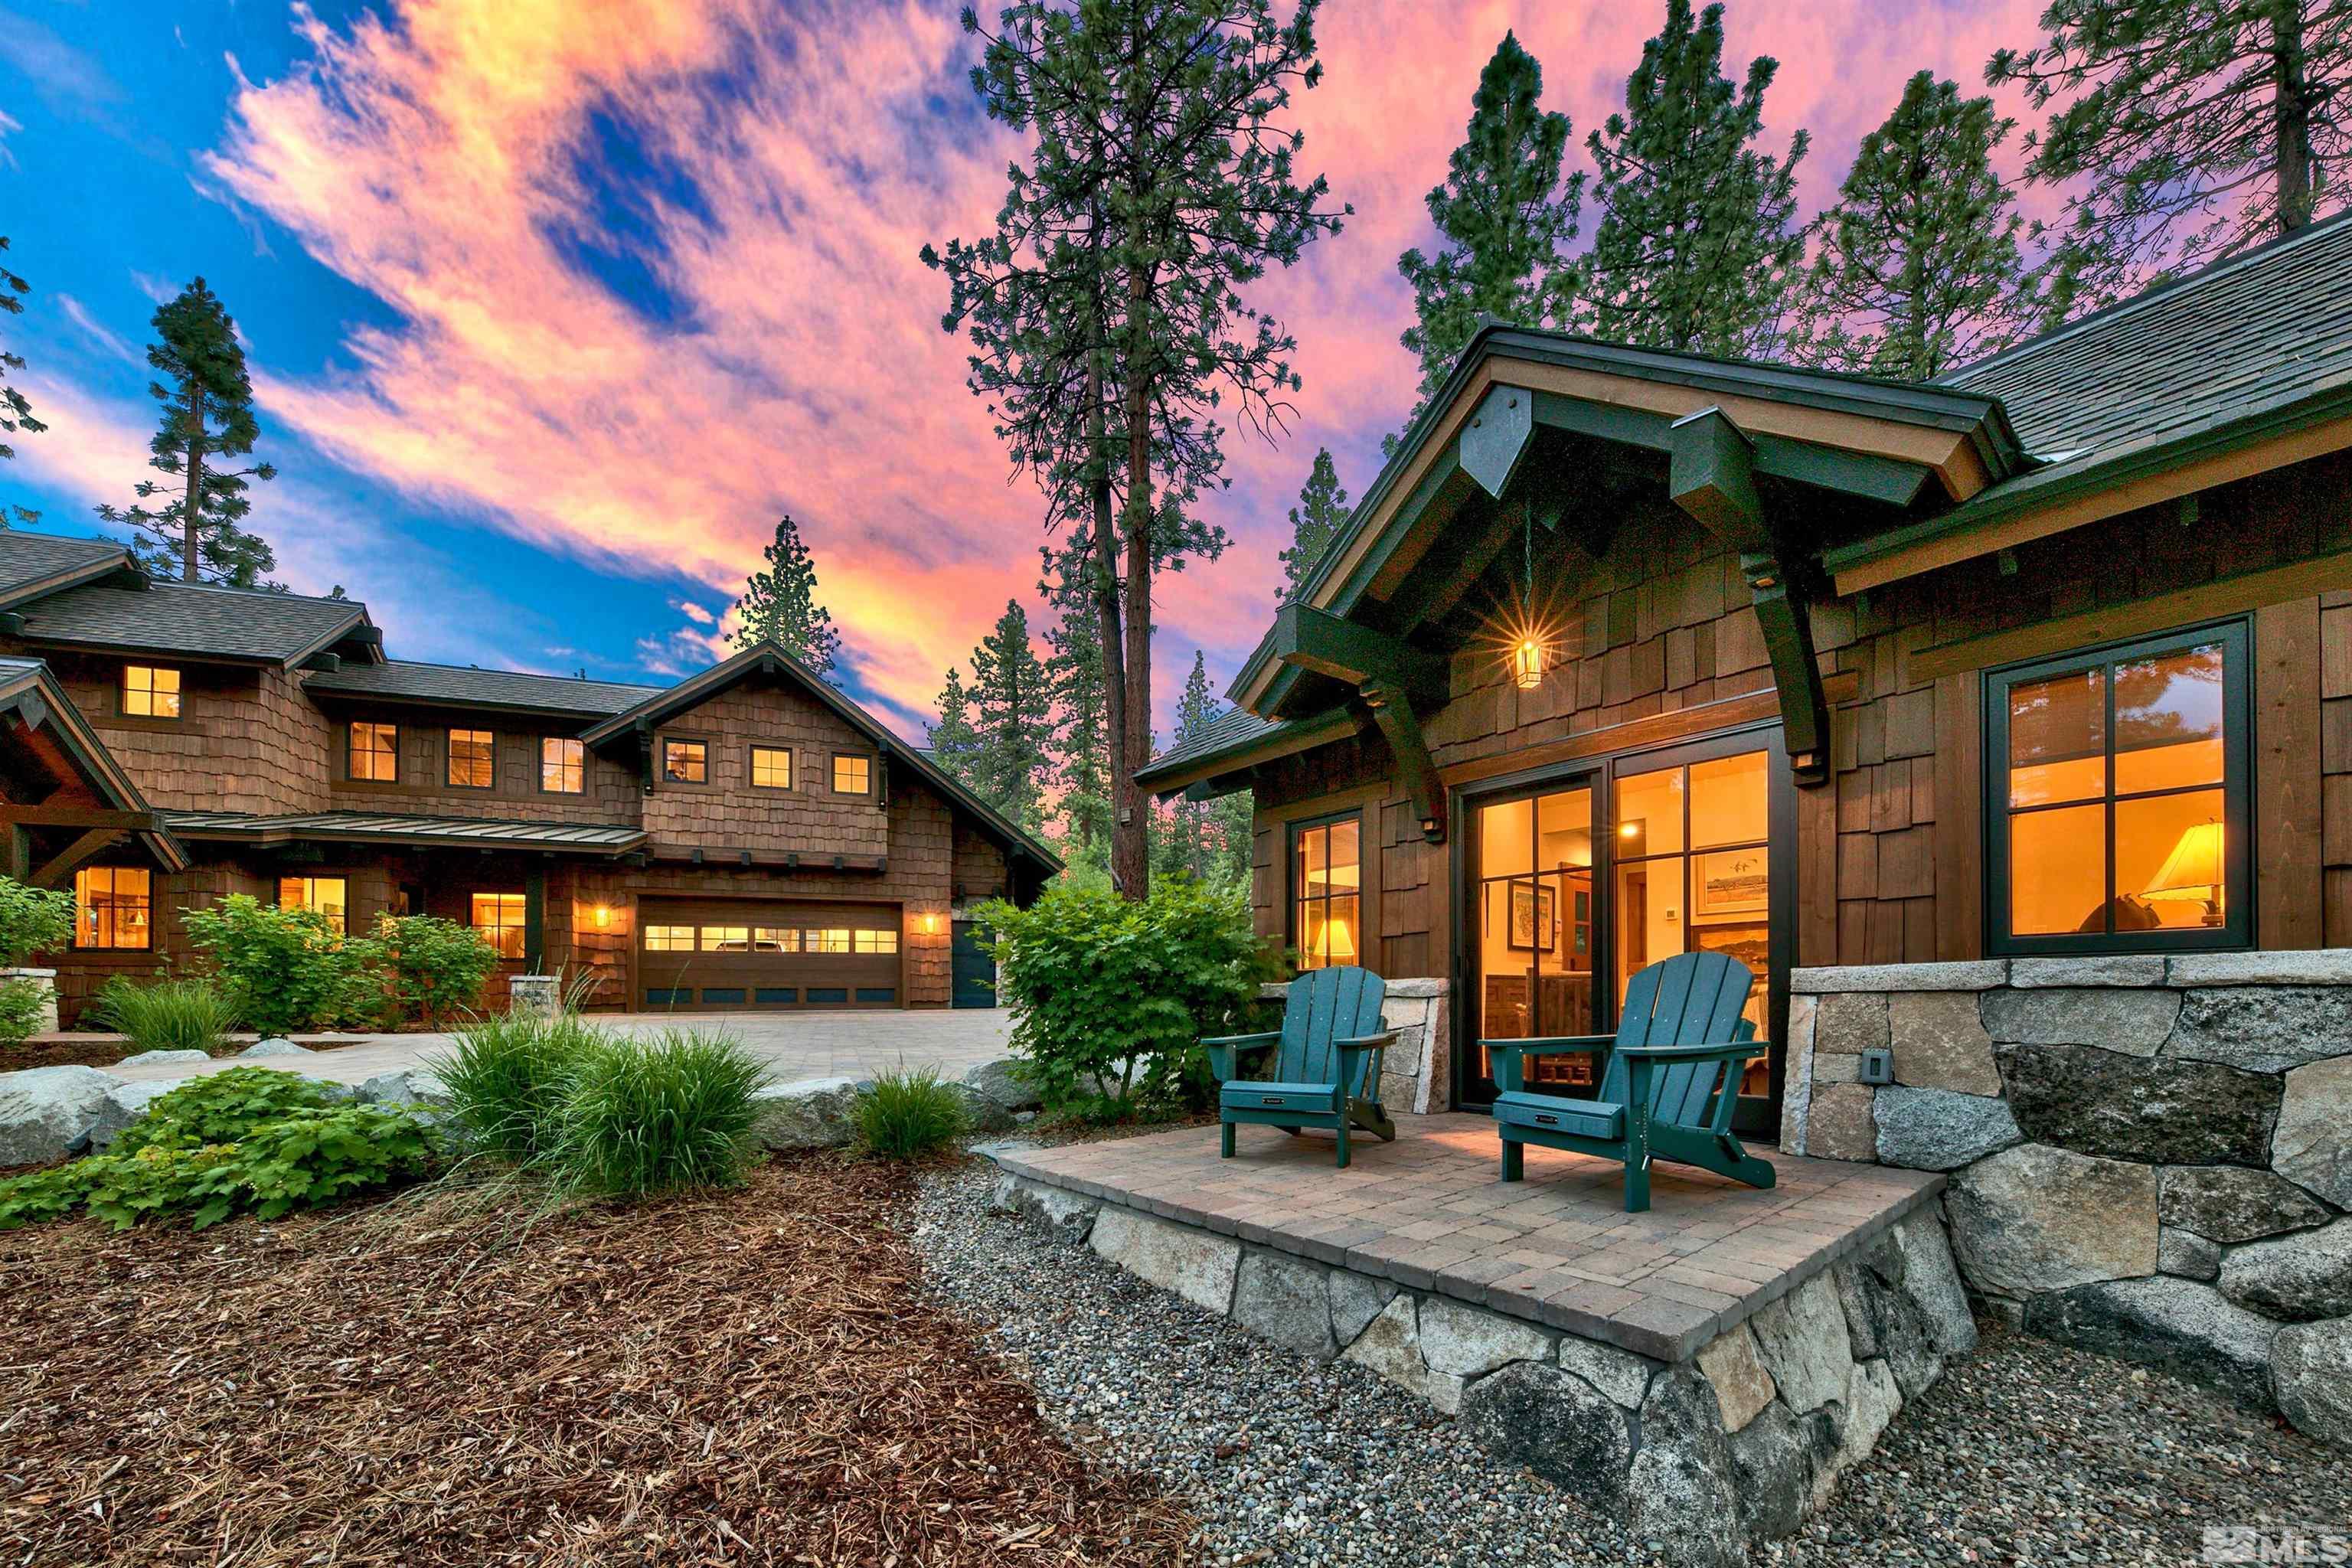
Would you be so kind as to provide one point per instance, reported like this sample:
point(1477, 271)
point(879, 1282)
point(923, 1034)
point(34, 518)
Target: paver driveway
point(797, 1045)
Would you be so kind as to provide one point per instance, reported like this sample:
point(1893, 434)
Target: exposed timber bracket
point(1497, 436)
point(1712, 478)
point(1415, 768)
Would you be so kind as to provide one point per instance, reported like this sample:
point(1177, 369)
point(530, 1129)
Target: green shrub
point(23, 1005)
point(906, 1114)
point(437, 967)
point(33, 920)
point(1110, 999)
point(285, 970)
point(507, 1078)
point(167, 1015)
point(248, 1139)
point(660, 1114)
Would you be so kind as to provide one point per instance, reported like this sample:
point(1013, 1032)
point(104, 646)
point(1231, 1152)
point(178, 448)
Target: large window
point(473, 759)
point(151, 691)
point(562, 765)
point(320, 895)
point(1327, 891)
point(375, 752)
point(2118, 786)
point(112, 905)
point(499, 917)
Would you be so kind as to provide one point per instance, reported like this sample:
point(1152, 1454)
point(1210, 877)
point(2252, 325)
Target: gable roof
point(32, 564)
point(409, 682)
point(769, 659)
point(31, 694)
point(2255, 347)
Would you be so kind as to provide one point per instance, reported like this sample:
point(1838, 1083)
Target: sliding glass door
point(1532, 910)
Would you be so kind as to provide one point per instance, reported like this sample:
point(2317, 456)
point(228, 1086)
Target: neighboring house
point(749, 838)
point(1628, 652)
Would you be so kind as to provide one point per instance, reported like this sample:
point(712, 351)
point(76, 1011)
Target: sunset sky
point(553, 305)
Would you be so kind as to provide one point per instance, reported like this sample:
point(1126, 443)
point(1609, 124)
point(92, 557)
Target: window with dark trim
point(1327, 886)
point(2117, 783)
point(373, 754)
point(685, 761)
point(851, 775)
point(473, 759)
point(500, 917)
point(771, 767)
point(323, 896)
point(562, 765)
point(151, 691)
point(112, 905)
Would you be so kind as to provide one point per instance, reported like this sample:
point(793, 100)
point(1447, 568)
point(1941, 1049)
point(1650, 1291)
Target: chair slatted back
point(1324, 1005)
point(1691, 999)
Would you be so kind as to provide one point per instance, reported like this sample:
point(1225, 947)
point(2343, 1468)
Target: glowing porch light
point(1529, 661)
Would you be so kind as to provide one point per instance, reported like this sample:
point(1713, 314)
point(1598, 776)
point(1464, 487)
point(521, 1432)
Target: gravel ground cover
point(2028, 1453)
point(744, 1377)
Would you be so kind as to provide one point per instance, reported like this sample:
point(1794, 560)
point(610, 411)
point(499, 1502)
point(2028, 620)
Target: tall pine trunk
point(1105, 574)
point(2291, 117)
point(1130, 850)
point(193, 504)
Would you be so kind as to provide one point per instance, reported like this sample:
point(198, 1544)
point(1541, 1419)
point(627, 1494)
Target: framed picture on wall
point(1730, 882)
point(1535, 919)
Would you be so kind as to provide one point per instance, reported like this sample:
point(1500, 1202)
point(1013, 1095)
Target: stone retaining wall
point(1417, 1075)
point(2151, 1157)
point(1737, 1445)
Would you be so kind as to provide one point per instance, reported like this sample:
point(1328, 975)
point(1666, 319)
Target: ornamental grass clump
point(667, 1113)
point(508, 1077)
point(908, 1114)
point(168, 1016)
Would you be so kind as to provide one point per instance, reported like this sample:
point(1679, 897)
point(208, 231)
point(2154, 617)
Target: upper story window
point(562, 765)
point(500, 917)
point(1327, 891)
point(2119, 781)
point(374, 752)
point(686, 761)
point(473, 759)
point(112, 905)
point(852, 775)
point(151, 691)
point(771, 767)
point(323, 896)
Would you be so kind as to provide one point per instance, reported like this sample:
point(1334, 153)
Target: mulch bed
point(748, 1377)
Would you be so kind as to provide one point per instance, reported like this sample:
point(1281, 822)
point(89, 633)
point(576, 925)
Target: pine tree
point(1507, 217)
point(1315, 523)
point(1918, 268)
point(1106, 311)
point(1081, 739)
point(953, 742)
point(1011, 719)
point(207, 399)
point(1208, 840)
point(16, 408)
point(1694, 246)
point(779, 605)
point(2187, 128)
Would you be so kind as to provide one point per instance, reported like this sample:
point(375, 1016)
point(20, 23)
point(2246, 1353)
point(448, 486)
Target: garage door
point(721, 956)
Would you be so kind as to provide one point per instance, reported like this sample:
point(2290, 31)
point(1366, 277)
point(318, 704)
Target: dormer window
point(151, 691)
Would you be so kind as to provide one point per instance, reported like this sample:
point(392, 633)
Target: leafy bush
point(32, 920)
point(249, 1139)
point(906, 1114)
point(507, 1078)
point(437, 967)
point(285, 970)
point(655, 1115)
point(1110, 999)
point(167, 1015)
point(23, 1005)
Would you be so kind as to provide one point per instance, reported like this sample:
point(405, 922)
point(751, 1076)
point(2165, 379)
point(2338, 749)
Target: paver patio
point(1430, 1211)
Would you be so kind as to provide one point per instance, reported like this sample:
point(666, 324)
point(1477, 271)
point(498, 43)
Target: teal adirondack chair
point(1327, 1067)
point(1667, 1091)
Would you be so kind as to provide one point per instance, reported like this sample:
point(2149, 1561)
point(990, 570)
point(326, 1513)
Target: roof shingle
point(186, 618)
point(409, 682)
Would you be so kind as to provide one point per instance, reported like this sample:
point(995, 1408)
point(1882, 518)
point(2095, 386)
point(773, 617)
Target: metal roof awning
point(421, 832)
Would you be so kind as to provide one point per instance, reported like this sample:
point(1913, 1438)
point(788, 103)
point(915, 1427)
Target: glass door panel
point(1531, 930)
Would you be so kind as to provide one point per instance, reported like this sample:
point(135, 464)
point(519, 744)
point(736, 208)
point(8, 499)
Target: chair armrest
point(1737, 1050)
point(1367, 1042)
point(1510, 1070)
point(1225, 1050)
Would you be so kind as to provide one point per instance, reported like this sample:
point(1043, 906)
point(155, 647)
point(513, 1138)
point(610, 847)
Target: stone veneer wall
point(2151, 1157)
point(1736, 1446)
point(1417, 1073)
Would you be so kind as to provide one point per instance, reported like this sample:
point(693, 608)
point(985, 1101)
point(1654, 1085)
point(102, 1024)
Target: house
point(749, 838)
point(1627, 653)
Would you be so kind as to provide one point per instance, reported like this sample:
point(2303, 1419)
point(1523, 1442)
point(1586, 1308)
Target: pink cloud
point(435, 161)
